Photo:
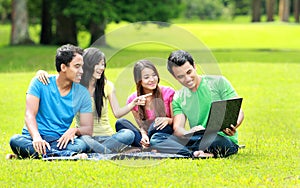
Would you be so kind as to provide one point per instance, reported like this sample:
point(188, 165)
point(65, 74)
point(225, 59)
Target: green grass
point(265, 74)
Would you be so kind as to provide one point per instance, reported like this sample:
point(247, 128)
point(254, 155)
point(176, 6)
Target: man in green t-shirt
point(193, 103)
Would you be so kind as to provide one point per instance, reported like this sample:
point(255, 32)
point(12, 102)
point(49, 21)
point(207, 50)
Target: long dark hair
point(158, 103)
point(91, 57)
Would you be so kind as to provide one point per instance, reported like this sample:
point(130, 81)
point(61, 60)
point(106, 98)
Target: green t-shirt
point(196, 105)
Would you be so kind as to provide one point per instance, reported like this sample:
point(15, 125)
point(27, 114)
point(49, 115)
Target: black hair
point(91, 57)
point(65, 54)
point(178, 58)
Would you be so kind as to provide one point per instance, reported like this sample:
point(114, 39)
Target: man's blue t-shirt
point(56, 112)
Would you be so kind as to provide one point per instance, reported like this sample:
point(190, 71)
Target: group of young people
point(81, 90)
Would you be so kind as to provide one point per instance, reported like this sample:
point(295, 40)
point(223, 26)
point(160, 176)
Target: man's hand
point(66, 137)
point(230, 131)
point(197, 128)
point(40, 145)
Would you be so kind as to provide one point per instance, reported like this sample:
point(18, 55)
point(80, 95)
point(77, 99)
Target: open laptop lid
point(222, 114)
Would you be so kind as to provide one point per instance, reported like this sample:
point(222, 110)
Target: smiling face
point(149, 80)
point(187, 76)
point(74, 70)
point(98, 69)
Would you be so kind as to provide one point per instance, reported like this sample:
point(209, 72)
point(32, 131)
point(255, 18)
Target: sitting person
point(155, 114)
point(50, 111)
point(102, 92)
point(193, 102)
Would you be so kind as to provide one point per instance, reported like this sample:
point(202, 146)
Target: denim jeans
point(108, 144)
point(165, 143)
point(22, 146)
point(125, 124)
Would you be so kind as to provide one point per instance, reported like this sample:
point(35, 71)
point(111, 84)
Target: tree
point(284, 10)
point(19, 31)
point(256, 10)
point(5, 9)
point(270, 8)
point(296, 10)
point(96, 14)
point(66, 29)
point(46, 23)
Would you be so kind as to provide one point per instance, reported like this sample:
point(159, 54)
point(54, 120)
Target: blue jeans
point(125, 124)
point(22, 146)
point(108, 144)
point(165, 143)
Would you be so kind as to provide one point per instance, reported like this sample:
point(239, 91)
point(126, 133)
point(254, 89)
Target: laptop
point(222, 114)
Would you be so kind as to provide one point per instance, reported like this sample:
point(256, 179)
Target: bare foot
point(201, 154)
point(81, 156)
point(11, 156)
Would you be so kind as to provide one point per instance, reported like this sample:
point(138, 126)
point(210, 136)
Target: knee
point(156, 138)
point(119, 123)
point(127, 135)
point(14, 141)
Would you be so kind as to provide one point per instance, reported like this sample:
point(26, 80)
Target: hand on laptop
point(230, 131)
point(197, 128)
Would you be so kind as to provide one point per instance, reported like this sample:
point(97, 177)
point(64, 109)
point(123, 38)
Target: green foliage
point(5, 9)
point(204, 9)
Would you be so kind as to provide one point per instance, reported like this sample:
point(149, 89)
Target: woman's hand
point(140, 100)
point(145, 141)
point(161, 122)
point(43, 77)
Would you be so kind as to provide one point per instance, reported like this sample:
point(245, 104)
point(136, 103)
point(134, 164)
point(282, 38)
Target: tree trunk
point(296, 10)
point(19, 29)
point(256, 12)
point(46, 33)
point(284, 10)
point(270, 4)
point(66, 31)
point(97, 32)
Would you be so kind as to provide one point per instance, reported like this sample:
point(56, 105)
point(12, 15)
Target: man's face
point(186, 75)
point(74, 70)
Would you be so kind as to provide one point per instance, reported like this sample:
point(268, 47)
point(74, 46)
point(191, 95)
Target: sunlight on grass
point(269, 133)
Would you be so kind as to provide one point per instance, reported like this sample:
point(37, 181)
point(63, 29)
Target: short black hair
point(65, 54)
point(178, 58)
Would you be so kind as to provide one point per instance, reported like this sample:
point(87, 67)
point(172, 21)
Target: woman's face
point(98, 69)
point(149, 80)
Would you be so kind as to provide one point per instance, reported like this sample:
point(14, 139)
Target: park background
point(259, 55)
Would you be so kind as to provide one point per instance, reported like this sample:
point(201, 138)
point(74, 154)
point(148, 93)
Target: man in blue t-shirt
point(193, 103)
point(50, 111)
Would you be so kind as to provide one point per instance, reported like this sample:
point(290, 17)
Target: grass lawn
point(263, 70)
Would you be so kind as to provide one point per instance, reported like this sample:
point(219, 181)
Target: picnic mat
point(119, 156)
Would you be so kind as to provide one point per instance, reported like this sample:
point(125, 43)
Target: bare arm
point(32, 106)
point(86, 124)
point(179, 124)
point(118, 111)
point(144, 132)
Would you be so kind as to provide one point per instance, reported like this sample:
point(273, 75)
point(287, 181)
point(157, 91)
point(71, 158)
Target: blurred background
point(60, 22)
